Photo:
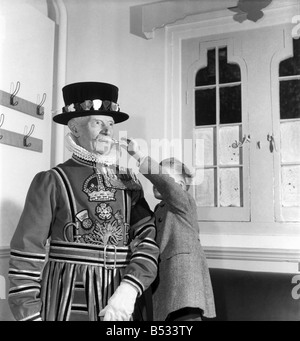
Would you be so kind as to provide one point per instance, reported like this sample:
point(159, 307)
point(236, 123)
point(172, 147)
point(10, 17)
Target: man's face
point(95, 134)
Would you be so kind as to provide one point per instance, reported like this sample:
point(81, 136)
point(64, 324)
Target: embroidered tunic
point(100, 232)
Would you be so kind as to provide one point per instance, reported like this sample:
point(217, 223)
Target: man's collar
point(87, 157)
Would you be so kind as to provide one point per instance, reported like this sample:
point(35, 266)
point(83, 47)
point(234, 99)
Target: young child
point(183, 290)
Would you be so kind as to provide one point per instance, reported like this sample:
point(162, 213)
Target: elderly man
point(102, 254)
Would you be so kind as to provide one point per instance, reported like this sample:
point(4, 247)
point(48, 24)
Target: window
point(219, 123)
point(289, 85)
point(260, 220)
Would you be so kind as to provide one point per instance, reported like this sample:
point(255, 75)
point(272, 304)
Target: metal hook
point(272, 141)
point(14, 94)
point(38, 109)
point(25, 144)
point(2, 117)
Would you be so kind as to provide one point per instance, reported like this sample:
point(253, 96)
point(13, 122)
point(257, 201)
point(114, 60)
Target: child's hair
point(179, 168)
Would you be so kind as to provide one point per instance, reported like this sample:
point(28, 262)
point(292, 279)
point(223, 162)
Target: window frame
point(262, 231)
point(282, 214)
point(242, 214)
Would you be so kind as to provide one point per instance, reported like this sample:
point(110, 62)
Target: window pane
point(207, 76)
point(290, 99)
point(229, 73)
point(205, 101)
point(291, 66)
point(208, 135)
point(230, 187)
point(291, 186)
point(230, 105)
point(205, 192)
point(228, 136)
point(290, 142)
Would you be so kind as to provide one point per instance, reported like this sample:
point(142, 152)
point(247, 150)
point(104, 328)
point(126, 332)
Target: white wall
point(26, 55)
point(39, 5)
point(27, 47)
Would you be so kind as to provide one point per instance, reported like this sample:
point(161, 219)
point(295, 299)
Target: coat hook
point(38, 109)
point(2, 117)
point(14, 94)
point(25, 144)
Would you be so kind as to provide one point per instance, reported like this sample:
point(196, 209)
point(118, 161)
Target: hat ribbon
point(92, 105)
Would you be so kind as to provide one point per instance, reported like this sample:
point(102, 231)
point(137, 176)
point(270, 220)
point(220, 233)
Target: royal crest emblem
point(95, 189)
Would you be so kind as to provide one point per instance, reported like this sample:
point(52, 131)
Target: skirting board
point(252, 254)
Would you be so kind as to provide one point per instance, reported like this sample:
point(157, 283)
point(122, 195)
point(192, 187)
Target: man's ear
point(74, 129)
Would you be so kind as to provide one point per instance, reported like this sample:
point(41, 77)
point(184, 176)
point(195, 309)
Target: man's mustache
point(103, 138)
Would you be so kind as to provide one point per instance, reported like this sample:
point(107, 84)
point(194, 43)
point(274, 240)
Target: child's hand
point(132, 148)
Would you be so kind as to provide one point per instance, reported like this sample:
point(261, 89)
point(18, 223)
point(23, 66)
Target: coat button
point(160, 220)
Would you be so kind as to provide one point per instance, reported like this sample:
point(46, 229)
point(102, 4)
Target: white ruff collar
point(110, 159)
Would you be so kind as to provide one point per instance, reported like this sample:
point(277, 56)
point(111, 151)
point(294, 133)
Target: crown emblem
point(96, 191)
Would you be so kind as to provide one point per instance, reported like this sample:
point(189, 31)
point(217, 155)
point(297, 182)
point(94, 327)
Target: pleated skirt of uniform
point(77, 292)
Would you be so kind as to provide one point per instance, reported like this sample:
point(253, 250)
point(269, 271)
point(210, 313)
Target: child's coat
point(184, 279)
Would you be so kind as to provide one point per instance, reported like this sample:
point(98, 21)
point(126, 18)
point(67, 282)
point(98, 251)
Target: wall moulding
point(145, 19)
point(253, 254)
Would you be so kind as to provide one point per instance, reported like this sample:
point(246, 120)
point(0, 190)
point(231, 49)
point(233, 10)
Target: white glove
point(121, 304)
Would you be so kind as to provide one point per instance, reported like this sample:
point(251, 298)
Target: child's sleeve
point(172, 193)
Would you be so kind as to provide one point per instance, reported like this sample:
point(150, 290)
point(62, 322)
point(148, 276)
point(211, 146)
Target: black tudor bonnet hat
point(90, 98)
